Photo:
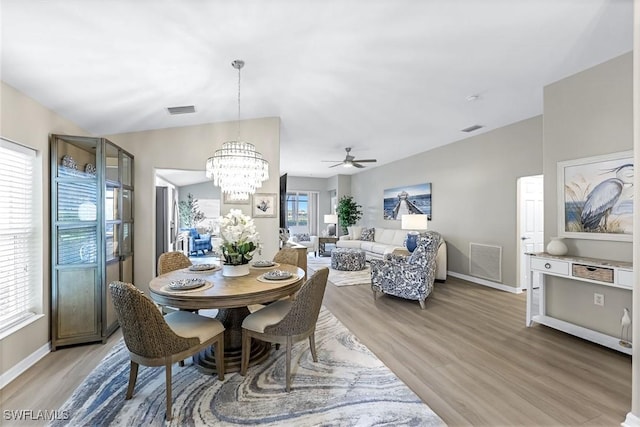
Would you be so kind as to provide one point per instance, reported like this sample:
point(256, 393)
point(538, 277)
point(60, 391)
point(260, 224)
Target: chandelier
point(237, 168)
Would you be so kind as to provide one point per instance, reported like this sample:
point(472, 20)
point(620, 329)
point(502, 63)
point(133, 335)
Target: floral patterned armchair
point(408, 276)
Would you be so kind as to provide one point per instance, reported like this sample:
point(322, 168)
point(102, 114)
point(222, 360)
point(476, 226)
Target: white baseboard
point(631, 421)
point(24, 364)
point(483, 282)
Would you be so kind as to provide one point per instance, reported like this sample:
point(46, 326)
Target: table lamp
point(331, 219)
point(415, 223)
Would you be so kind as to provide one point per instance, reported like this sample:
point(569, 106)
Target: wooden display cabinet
point(91, 236)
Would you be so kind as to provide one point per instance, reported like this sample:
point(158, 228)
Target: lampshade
point(414, 222)
point(237, 168)
point(331, 219)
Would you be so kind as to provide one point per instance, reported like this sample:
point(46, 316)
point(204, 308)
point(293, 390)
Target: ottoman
point(348, 259)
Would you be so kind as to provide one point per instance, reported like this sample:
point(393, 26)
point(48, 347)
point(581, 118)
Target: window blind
point(19, 289)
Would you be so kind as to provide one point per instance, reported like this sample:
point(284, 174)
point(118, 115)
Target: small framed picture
point(227, 201)
point(265, 205)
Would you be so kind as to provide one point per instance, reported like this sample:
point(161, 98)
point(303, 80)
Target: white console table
point(601, 272)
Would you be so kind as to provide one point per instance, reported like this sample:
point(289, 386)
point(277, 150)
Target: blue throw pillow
point(303, 237)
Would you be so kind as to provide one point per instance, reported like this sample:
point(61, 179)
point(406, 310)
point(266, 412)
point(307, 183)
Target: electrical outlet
point(598, 299)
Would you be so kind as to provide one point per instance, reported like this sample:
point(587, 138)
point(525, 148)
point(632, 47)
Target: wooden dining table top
point(225, 292)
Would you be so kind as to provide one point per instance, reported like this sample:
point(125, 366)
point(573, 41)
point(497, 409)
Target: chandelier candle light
point(237, 168)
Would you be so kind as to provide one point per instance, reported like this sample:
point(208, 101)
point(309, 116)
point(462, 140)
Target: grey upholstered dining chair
point(287, 321)
point(170, 261)
point(154, 340)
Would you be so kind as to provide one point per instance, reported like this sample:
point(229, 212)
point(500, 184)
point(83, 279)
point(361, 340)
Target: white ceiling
point(389, 78)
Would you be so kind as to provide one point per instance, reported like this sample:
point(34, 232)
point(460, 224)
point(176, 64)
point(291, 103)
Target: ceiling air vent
point(472, 128)
point(187, 109)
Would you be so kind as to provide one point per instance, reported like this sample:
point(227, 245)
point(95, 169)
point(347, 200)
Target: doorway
point(530, 222)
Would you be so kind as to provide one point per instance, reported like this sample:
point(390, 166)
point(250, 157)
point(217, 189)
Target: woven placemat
point(166, 289)
point(289, 280)
point(264, 268)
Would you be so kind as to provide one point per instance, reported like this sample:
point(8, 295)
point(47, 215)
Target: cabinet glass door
point(76, 237)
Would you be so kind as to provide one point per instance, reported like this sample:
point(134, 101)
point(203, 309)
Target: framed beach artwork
point(595, 197)
point(265, 205)
point(411, 199)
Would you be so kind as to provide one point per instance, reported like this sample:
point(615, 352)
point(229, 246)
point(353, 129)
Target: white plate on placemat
point(264, 264)
point(203, 267)
point(185, 284)
point(277, 275)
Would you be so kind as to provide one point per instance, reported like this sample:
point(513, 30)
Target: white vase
point(557, 247)
point(235, 270)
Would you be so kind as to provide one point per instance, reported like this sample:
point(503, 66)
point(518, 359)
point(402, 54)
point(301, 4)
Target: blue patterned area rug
point(348, 386)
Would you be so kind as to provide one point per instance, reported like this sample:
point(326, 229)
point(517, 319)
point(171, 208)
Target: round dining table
point(231, 296)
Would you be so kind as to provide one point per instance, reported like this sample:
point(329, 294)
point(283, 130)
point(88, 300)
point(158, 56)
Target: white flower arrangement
point(239, 237)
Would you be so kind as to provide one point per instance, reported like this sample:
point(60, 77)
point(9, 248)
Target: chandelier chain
point(237, 168)
point(238, 129)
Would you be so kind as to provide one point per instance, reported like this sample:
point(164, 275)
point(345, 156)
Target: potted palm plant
point(348, 212)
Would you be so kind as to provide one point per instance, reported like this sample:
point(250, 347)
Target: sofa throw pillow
point(355, 231)
point(302, 237)
point(368, 234)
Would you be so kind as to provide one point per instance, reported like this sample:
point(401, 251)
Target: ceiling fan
point(350, 161)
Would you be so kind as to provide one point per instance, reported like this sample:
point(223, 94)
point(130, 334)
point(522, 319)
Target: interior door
point(531, 221)
point(162, 217)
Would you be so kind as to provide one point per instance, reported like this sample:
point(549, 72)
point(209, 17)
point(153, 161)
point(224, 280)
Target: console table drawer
point(550, 266)
point(601, 274)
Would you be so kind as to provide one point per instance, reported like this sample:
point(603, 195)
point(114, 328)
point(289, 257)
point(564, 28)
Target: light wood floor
point(468, 356)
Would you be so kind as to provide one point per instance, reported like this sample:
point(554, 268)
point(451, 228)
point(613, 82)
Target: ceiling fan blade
point(365, 160)
point(357, 165)
point(337, 164)
point(331, 161)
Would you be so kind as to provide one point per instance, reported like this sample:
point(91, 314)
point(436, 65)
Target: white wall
point(587, 114)
point(189, 148)
point(473, 184)
point(25, 121)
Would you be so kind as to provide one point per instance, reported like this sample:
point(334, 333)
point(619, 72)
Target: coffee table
point(348, 259)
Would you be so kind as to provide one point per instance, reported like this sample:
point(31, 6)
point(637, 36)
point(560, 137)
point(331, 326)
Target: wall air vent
point(485, 261)
point(472, 128)
point(187, 109)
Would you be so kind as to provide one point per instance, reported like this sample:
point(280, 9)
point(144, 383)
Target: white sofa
point(386, 241)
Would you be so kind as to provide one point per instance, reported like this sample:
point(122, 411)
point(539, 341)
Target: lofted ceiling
point(388, 78)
